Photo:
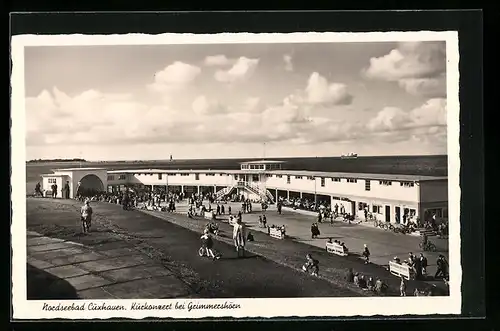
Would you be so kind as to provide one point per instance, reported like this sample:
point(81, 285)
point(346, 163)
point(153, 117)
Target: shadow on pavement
point(45, 286)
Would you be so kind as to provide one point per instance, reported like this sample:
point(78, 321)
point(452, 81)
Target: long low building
point(388, 197)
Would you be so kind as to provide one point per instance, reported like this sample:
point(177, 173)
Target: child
point(207, 243)
point(311, 265)
point(402, 287)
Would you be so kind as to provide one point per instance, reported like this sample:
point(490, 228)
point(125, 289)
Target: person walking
point(366, 254)
point(423, 264)
point(442, 267)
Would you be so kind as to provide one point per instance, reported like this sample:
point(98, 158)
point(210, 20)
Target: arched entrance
point(89, 185)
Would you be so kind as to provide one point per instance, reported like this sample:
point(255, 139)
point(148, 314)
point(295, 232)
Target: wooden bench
point(277, 234)
point(399, 270)
point(428, 233)
point(335, 248)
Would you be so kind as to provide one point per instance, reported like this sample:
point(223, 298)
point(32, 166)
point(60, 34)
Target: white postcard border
point(296, 307)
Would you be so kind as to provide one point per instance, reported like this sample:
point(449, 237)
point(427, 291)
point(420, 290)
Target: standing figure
point(402, 287)
point(239, 237)
point(366, 254)
point(86, 216)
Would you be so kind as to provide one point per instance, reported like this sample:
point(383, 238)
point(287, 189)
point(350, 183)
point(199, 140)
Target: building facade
point(387, 197)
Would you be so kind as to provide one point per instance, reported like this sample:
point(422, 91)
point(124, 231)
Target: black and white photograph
point(235, 175)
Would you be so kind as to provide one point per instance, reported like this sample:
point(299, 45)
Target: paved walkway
point(111, 270)
point(384, 245)
point(130, 254)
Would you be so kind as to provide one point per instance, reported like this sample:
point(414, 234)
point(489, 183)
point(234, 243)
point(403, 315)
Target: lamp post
point(315, 194)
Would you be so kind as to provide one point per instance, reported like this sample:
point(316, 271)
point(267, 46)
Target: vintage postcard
point(235, 175)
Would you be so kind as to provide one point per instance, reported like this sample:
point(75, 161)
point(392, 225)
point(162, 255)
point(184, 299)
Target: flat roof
point(78, 169)
point(394, 177)
point(262, 161)
point(389, 177)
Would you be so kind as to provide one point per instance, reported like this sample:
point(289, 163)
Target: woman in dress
point(239, 237)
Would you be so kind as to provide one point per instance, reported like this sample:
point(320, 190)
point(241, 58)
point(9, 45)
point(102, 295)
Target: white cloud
point(320, 91)
point(388, 119)
point(418, 67)
point(217, 60)
point(205, 106)
point(241, 70)
point(174, 76)
point(288, 62)
point(428, 87)
point(431, 114)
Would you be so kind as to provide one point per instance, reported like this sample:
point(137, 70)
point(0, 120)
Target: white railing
point(262, 193)
point(224, 191)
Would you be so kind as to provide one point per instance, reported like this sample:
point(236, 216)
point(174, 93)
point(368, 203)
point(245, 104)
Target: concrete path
point(131, 254)
point(384, 245)
point(109, 270)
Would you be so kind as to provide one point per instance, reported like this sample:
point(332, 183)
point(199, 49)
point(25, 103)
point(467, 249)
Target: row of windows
point(260, 166)
point(120, 177)
point(255, 178)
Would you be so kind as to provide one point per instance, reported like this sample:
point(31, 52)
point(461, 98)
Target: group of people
point(366, 282)
point(53, 190)
point(418, 266)
point(280, 228)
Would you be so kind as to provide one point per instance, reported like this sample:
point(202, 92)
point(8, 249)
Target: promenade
point(384, 245)
point(130, 254)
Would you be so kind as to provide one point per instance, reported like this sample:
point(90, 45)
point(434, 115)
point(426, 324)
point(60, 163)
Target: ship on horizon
point(349, 156)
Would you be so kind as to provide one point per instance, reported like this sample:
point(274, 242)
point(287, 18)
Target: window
point(197, 176)
point(385, 182)
point(407, 184)
point(252, 166)
point(159, 176)
point(52, 180)
point(288, 179)
point(362, 205)
point(352, 180)
point(235, 177)
point(209, 174)
point(335, 179)
point(279, 176)
point(111, 177)
point(184, 174)
point(221, 174)
point(255, 178)
point(269, 175)
point(367, 185)
point(310, 177)
point(377, 209)
point(322, 182)
point(298, 177)
point(122, 177)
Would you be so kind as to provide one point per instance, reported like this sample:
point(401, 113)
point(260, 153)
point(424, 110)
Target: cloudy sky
point(211, 101)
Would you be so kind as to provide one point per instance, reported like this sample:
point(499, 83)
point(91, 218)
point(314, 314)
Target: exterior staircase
point(225, 191)
point(264, 194)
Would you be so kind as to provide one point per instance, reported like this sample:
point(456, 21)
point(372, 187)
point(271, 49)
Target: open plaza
point(289, 200)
